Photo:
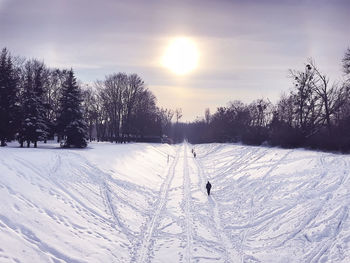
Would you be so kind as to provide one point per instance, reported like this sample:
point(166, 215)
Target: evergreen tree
point(8, 97)
point(70, 123)
point(33, 124)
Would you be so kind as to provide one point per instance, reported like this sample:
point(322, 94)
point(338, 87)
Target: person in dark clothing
point(208, 186)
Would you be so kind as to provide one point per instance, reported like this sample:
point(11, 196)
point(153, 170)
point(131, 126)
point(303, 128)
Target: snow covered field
point(129, 203)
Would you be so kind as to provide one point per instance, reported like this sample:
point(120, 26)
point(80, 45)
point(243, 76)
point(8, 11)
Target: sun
point(181, 56)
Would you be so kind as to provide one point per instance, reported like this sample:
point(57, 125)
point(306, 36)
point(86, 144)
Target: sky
point(245, 47)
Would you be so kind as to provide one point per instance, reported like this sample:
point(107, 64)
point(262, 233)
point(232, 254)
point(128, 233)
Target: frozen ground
point(129, 203)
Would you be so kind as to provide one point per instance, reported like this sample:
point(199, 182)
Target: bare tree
point(178, 114)
point(260, 113)
point(90, 109)
point(135, 86)
point(166, 115)
point(207, 115)
point(144, 119)
point(308, 105)
point(110, 93)
point(328, 94)
point(346, 62)
point(55, 79)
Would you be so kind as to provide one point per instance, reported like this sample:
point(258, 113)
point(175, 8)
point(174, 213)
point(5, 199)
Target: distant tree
point(70, 121)
point(110, 100)
point(90, 109)
point(177, 131)
point(145, 120)
point(101, 117)
point(240, 119)
point(285, 110)
point(54, 81)
point(166, 115)
point(9, 92)
point(221, 123)
point(331, 96)
point(135, 87)
point(307, 103)
point(207, 115)
point(178, 114)
point(33, 120)
point(282, 128)
point(259, 115)
point(346, 62)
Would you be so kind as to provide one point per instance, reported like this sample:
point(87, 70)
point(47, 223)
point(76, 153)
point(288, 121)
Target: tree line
point(38, 103)
point(120, 108)
point(315, 113)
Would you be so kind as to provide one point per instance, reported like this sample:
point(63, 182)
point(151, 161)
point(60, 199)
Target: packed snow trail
point(231, 253)
point(148, 203)
point(187, 200)
point(163, 197)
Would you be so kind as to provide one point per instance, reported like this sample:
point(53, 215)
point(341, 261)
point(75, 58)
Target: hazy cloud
point(246, 46)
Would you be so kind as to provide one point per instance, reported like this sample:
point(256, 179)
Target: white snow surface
point(131, 203)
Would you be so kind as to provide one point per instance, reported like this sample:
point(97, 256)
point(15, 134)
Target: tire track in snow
point(163, 198)
point(231, 255)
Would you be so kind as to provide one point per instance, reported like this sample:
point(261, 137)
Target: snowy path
point(163, 197)
point(187, 201)
point(128, 203)
point(231, 254)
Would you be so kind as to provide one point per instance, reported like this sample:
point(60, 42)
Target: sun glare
point(181, 56)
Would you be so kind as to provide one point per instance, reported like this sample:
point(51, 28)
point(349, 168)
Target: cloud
point(246, 46)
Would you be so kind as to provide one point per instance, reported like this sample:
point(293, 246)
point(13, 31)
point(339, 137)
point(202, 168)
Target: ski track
point(154, 222)
point(187, 200)
point(256, 206)
point(230, 253)
point(252, 208)
point(248, 162)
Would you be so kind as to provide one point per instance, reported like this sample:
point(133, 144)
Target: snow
point(128, 203)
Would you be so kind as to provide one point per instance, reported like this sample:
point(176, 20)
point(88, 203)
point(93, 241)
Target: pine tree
point(70, 123)
point(33, 124)
point(8, 97)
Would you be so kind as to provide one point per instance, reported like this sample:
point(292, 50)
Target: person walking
point(208, 186)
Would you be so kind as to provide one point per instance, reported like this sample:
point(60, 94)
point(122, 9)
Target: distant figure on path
point(194, 154)
point(208, 186)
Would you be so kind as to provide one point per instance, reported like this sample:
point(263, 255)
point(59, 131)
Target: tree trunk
point(35, 144)
point(28, 144)
point(328, 119)
point(3, 143)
